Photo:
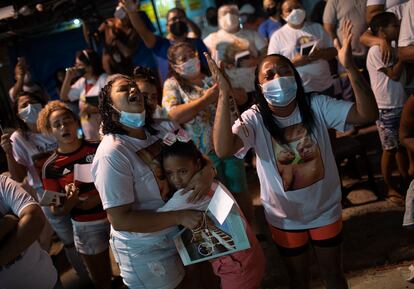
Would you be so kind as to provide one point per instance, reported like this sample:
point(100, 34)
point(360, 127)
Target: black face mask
point(179, 28)
point(271, 11)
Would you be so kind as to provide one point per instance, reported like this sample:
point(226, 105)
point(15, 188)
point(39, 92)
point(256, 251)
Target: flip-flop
point(396, 199)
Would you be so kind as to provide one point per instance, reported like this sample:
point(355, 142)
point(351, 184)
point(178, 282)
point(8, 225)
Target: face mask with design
point(188, 69)
point(179, 28)
point(131, 119)
point(229, 22)
point(280, 91)
point(296, 17)
point(30, 113)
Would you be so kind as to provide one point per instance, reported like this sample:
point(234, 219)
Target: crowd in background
point(242, 91)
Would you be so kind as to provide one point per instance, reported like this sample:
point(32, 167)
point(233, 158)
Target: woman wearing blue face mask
point(128, 175)
point(300, 187)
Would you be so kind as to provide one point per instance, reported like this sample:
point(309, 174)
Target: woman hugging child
point(243, 269)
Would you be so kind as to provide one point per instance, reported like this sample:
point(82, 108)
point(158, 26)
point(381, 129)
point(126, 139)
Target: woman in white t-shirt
point(300, 186)
point(132, 187)
point(307, 45)
point(86, 90)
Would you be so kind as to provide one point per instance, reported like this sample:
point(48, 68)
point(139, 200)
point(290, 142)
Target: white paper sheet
point(82, 173)
point(51, 198)
point(220, 205)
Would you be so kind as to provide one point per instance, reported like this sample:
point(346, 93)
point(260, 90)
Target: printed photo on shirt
point(299, 162)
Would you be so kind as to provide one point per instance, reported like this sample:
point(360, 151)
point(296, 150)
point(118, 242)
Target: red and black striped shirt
point(58, 171)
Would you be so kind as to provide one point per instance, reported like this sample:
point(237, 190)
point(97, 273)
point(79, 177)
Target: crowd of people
point(96, 166)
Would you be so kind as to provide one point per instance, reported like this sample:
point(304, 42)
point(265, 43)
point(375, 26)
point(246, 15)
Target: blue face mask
point(280, 91)
point(131, 119)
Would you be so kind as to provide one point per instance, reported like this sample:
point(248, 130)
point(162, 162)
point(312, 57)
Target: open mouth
point(65, 135)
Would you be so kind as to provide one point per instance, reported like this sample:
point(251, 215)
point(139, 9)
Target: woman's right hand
point(189, 218)
point(71, 72)
point(6, 143)
point(20, 69)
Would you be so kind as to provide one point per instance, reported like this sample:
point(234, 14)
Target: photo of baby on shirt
point(299, 162)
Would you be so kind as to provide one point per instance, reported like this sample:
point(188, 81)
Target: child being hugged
point(387, 85)
point(243, 269)
point(82, 202)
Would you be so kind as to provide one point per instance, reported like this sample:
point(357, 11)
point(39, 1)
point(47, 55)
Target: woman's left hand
point(345, 52)
point(200, 184)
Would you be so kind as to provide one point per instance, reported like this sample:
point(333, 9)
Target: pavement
point(377, 249)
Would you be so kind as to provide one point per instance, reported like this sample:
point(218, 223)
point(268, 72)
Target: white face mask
point(131, 119)
point(280, 91)
point(188, 69)
point(229, 22)
point(296, 17)
point(30, 113)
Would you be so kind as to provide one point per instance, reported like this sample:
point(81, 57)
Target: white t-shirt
point(224, 46)
point(122, 177)
point(33, 268)
point(407, 26)
point(388, 93)
point(90, 125)
point(26, 149)
point(29, 88)
point(286, 41)
point(299, 183)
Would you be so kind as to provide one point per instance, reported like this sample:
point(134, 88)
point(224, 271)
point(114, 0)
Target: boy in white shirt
point(390, 96)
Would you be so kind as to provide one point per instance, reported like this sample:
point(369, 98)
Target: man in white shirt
point(237, 50)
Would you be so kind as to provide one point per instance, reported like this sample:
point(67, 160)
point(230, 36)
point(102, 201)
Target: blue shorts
point(230, 172)
point(91, 238)
point(388, 125)
point(149, 264)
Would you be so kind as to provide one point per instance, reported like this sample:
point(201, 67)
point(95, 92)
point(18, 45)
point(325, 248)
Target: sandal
point(396, 199)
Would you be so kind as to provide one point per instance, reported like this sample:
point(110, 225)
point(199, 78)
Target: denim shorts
point(91, 238)
point(62, 225)
point(388, 125)
point(230, 172)
point(149, 264)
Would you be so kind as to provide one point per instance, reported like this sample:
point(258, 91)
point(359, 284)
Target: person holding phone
point(86, 89)
point(299, 36)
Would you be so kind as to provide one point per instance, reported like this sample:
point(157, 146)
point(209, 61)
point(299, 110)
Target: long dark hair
point(303, 101)
point(92, 58)
point(107, 111)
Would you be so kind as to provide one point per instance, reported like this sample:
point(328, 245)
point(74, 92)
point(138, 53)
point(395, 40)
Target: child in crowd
point(82, 202)
point(387, 85)
point(244, 269)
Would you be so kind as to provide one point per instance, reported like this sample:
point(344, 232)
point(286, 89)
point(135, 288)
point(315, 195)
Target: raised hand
point(345, 52)
point(129, 5)
point(218, 75)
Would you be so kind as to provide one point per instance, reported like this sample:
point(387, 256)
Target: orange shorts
point(325, 236)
